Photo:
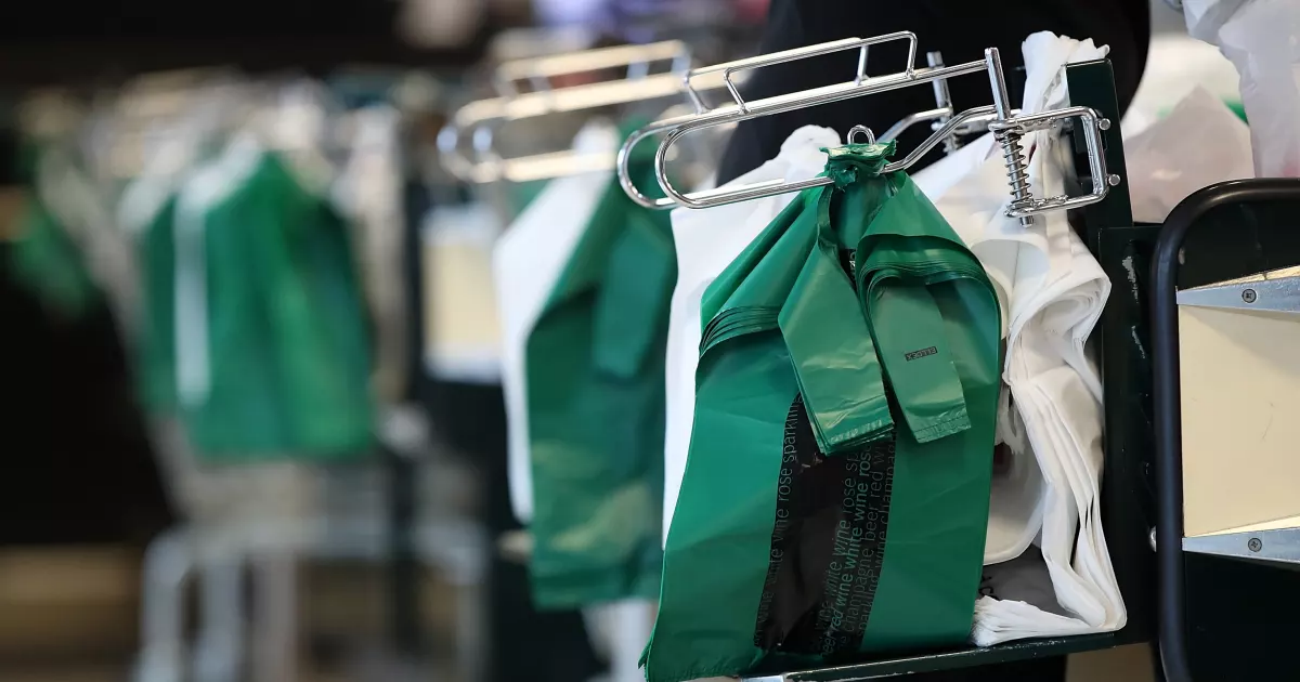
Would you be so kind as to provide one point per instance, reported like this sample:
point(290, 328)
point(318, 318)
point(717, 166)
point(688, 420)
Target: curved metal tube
point(540, 70)
point(448, 140)
point(727, 195)
point(734, 113)
point(483, 115)
point(913, 119)
point(729, 68)
point(625, 155)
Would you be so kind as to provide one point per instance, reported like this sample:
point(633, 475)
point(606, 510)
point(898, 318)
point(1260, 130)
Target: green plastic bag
point(836, 493)
point(595, 378)
point(156, 355)
point(45, 260)
point(261, 284)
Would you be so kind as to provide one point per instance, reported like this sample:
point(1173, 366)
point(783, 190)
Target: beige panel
point(462, 334)
point(1241, 417)
point(461, 299)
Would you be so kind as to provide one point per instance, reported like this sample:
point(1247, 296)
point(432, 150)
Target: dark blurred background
point(144, 539)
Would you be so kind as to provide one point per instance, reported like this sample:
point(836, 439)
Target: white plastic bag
point(1052, 291)
point(526, 263)
point(1200, 142)
point(707, 241)
point(1177, 64)
point(1262, 38)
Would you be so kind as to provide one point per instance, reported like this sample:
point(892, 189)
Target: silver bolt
point(1249, 296)
point(1104, 124)
point(1113, 180)
point(1255, 545)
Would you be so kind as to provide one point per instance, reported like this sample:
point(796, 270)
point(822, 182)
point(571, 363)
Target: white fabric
point(1052, 290)
point(526, 263)
point(707, 241)
point(1177, 64)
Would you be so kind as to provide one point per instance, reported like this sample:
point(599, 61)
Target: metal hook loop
point(864, 132)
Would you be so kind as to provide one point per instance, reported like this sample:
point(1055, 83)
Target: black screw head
point(1255, 545)
point(1249, 296)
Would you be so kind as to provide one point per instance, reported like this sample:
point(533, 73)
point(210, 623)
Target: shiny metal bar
point(483, 116)
point(1276, 291)
point(730, 68)
point(942, 100)
point(910, 120)
point(1277, 546)
point(729, 195)
point(677, 126)
point(688, 80)
point(1007, 124)
point(592, 60)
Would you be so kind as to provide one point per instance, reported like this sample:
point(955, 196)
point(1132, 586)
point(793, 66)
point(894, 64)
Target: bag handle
point(893, 280)
point(831, 348)
point(632, 304)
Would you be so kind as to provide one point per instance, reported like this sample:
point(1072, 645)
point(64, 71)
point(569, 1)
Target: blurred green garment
point(61, 228)
point(255, 331)
point(46, 261)
point(595, 384)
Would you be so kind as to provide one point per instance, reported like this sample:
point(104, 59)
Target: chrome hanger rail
point(482, 118)
point(639, 82)
point(1007, 126)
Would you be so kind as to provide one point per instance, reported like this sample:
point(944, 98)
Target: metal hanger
point(639, 82)
point(1007, 126)
point(484, 117)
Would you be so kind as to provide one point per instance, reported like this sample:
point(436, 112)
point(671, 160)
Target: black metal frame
point(1167, 396)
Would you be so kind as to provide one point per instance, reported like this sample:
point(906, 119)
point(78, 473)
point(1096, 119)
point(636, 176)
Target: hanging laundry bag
point(595, 394)
point(836, 492)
